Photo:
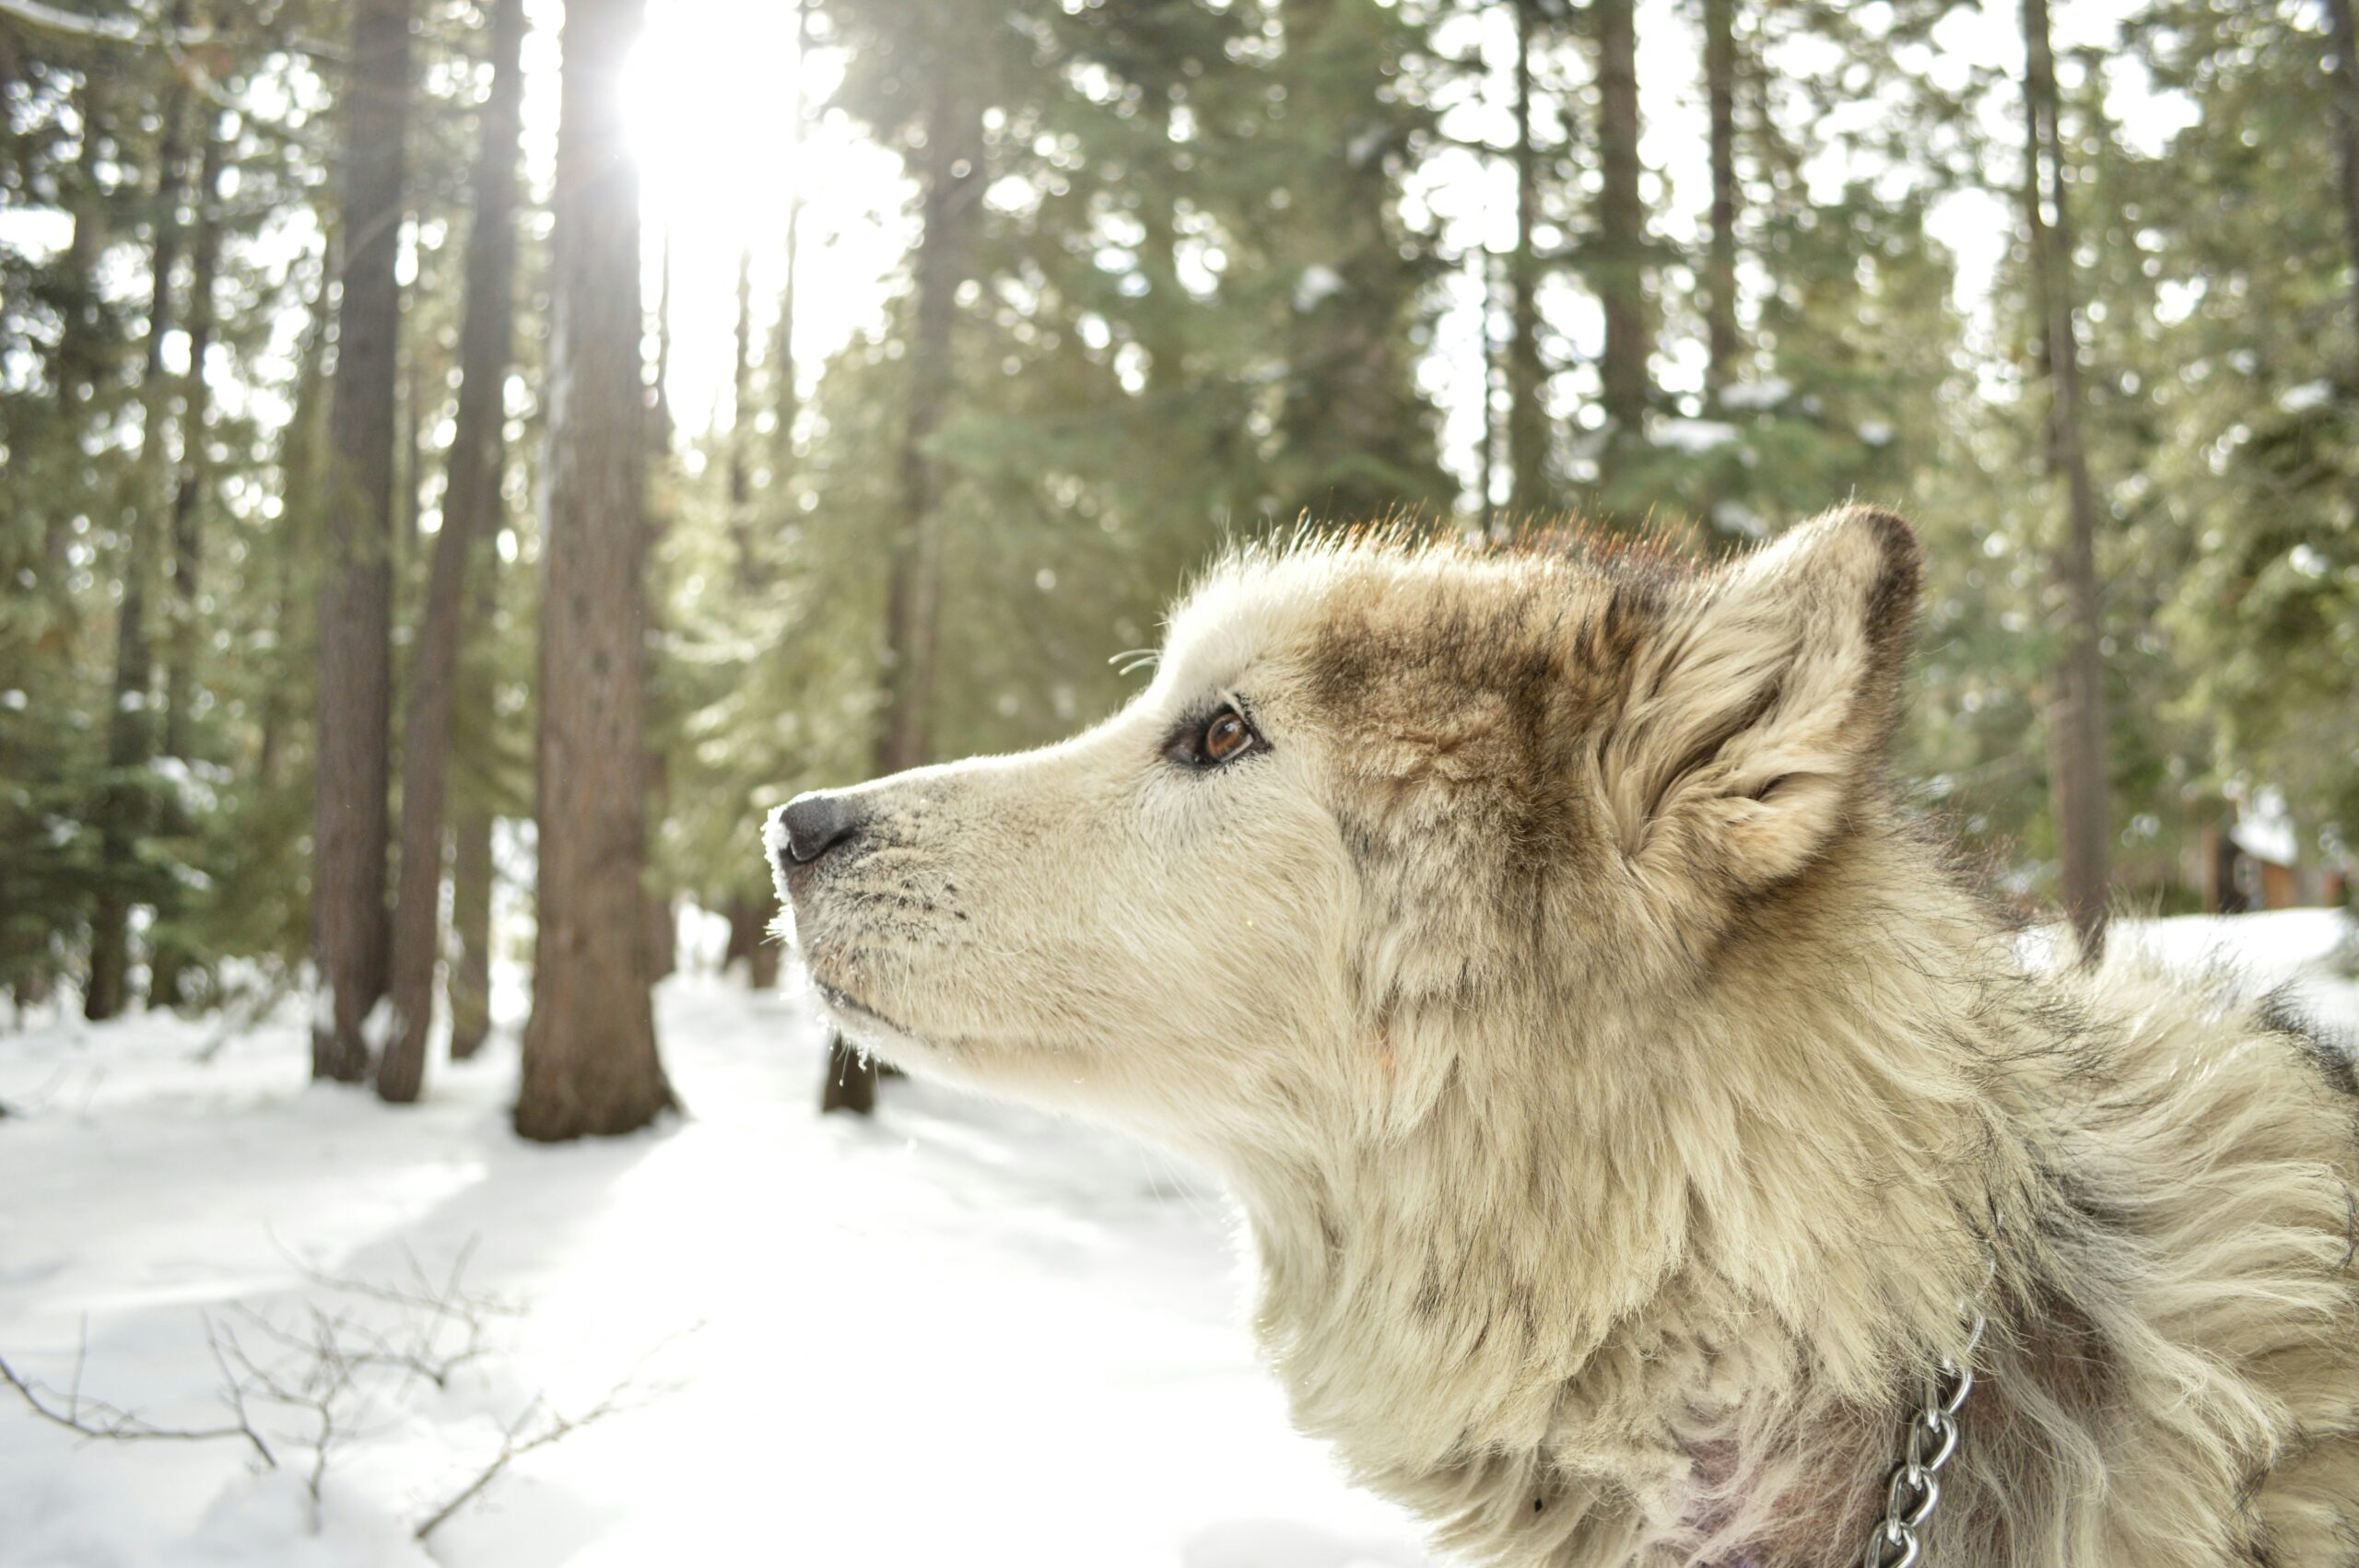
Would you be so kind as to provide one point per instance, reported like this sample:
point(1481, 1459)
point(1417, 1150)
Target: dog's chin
point(858, 1022)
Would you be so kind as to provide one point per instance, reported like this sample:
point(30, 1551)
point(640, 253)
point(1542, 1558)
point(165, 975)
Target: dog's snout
point(815, 823)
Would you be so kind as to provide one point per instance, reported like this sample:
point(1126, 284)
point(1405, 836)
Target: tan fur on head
point(1623, 1091)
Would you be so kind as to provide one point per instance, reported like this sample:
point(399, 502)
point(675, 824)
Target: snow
point(2265, 830)
point(2313, 953)
point(2308, 395)
point(194, 785)
point(962, 1334)
point(1318, 283)
point(1737, 518)
point(1695, 436)
point(1767, 392)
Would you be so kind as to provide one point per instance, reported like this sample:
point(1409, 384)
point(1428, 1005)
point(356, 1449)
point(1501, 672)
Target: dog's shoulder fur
point(1639, 1104)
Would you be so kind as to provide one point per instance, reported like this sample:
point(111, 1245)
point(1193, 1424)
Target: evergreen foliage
point(1210, 284)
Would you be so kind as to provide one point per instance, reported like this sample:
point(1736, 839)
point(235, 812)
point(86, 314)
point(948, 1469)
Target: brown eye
point(1226, 736)
point(1221, 736)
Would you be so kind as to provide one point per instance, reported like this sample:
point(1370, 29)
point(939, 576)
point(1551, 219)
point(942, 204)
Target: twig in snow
point(96, 1420)
point(627, 1395)
point(325, 1370)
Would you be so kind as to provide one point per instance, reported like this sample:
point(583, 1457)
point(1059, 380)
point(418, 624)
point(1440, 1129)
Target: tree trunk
point(130, 737)
point(166, 974)
point(409, 491)
point(471, 872)
point(79, 355)
point(470, 511)
point(742, 911)
point(590, 1056)
point(470, 972)
point(196, 413)
point(787, 394)
point(2345, 36)
point(300, 479)
point(739, 475)
point(952, 182)
point(1721, 346)
point(953, 185)
point(348, 931)
point(1528, 431)
point(661, 934)
point(2078, 724)
point(749, 941)
point(1163, 326)
point(1487, 472)
point(1621, 238)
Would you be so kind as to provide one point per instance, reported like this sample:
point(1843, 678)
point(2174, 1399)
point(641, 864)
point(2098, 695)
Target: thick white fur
point(1622, 1093)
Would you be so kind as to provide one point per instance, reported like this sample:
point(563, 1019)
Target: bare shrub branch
point(96, 1420)
point(324, 1369)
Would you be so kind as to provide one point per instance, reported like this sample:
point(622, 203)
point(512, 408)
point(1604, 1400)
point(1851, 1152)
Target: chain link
point(1914, 1489)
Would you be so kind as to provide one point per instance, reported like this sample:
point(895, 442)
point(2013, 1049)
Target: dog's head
point(1374, 794)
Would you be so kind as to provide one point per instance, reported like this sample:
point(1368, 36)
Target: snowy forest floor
point(960, 1334)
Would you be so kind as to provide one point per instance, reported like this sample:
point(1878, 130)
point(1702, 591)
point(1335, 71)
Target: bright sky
point(713, 127)
point(715, 122)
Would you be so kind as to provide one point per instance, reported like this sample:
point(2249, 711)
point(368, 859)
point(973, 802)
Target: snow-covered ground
point(961, 1335)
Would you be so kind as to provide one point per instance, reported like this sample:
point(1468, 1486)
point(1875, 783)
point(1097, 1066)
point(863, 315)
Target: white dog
point(1633, 1108)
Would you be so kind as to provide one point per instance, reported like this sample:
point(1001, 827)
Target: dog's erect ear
point(1766, 693)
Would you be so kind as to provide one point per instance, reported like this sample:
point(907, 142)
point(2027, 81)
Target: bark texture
point(590, 1057)
point(953, 185)
point(1528, 490)
point(301, 455)
point(660, 931)
point(739, 476)
point(81, 353)
point(749, 941)
point(470, 511)
point(1621, 238)
point(2077, 724)
point(472, 874)
point(1721, 342)
point(2344, 33)
point(787, 395)
point(348, 826)
point(469, 979)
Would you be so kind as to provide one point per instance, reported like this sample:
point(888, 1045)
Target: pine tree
point(590, 1055)
point(348, 924)
point(471, 510)
point(1618, 247)
point(2077, 728)
point(1722, 349)
point(1530, 487)
point(125, 809)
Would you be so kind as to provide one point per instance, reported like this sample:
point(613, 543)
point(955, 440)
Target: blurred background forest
point(748, 395)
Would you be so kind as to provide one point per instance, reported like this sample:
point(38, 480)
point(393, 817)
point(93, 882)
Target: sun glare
point(713, 118)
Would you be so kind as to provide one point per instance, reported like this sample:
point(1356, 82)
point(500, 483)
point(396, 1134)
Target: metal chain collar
point(1914, 1489)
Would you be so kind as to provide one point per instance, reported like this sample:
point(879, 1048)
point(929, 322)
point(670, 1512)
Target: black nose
point(816, 823)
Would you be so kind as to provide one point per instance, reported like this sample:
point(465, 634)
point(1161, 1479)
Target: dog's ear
point(1763, 698)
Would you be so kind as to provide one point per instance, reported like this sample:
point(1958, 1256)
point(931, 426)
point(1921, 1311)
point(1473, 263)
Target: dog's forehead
point(1355, 613)
point(1247, 613)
